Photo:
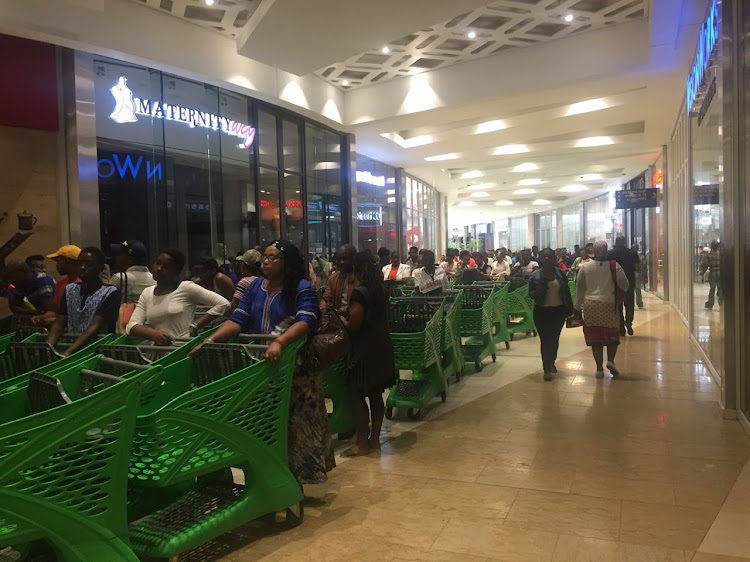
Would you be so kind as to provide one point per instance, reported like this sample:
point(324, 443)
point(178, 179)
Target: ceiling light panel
point(490, 127)
point(471, 175)
point(573, 188)
point(532, 181)
point(480, 194)
point(526, 167)
point(510, 149)
point(589, 177)
point(540, 202)
point(440, 157)
point(524, 191)
point(594, 141)
point(503, 203)
point(586, 106)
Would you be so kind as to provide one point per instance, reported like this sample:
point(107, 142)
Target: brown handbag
point(329, 344)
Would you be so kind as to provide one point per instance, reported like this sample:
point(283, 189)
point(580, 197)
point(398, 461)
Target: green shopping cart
point(476, 324)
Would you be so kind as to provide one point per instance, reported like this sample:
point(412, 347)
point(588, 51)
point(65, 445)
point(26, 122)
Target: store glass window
point(708, 184)
point(422, 210)
point(545, 229)
point(571, 225)
point(502, 233)
point(603, 221)
point(376, 205)
point(519, 233)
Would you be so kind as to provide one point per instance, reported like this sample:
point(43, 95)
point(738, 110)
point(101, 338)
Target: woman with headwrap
point(596, 297)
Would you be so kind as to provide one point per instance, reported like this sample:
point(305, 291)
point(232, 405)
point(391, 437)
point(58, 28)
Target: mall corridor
point(513, 468)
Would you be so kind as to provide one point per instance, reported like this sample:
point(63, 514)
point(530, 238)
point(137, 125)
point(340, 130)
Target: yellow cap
point(70, 251)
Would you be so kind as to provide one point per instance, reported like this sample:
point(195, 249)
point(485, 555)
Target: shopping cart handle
point(123, 364)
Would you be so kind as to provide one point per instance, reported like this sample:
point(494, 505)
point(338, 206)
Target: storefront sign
point(124, 165)
point(636, 199)
point(657, 180)
point(369, 177)
point(706, 194)
point(371, 216)
point(128, 107)
point(709, 35)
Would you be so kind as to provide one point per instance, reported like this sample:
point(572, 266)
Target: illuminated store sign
point(128, 107)
point(709, 35)
point(123, 165)
point(372, 179)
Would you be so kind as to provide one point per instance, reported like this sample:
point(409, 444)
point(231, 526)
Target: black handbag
point(329, 344)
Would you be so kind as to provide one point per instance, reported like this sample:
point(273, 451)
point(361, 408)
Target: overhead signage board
point(706, 194)
point(369, 177)
point(636, 199)
point(128, 107)
point(706, 43)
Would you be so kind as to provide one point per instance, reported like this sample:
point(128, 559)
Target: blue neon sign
point(709, 35)
point(124, 165)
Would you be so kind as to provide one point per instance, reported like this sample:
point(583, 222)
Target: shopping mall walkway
point(513, 468)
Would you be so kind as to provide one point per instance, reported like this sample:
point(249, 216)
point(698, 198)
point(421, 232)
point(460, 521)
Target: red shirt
point(393, 272)
point(60, 285)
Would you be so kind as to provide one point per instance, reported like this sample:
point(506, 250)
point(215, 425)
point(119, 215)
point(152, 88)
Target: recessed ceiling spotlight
point(586, 106)
point(589, 177)
point(526, 167)
point(385, 50)
point(504, 203)
point(471, 175)
point(531, 181)
point(489, 127)
point(540, 202)
point(524, 191)
point(479, 194)
point(467, 204)
point(510, 149)
point(439, 157)
point(594, 141)
point(569, 18)
point(573, 188)
point(472, 34)
point(343, 82)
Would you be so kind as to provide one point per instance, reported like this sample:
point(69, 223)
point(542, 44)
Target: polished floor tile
point(513, 468)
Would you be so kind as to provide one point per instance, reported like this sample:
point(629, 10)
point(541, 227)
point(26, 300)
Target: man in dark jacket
point(628, 260)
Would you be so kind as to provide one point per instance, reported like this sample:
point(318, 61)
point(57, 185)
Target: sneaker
point(548, 376)
point(612, 369)
point(600, 374)
point(630, 330)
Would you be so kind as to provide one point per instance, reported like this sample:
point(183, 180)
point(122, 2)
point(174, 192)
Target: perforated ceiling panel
point(494, 28)
point(228, 17)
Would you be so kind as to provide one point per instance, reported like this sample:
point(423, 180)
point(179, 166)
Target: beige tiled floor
point(513, 468)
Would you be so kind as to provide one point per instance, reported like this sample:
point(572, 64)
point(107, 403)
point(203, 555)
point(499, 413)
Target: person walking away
point(713, 267)
point(395, 270)
point(342, 282)
point(169, 306)
point(370, 365)
point(87, 308)
point(596, 303)
point(430, 279)
point(638, 277)
point(283, 303)
point(549, 288)
point(628, 260)
point(250, 270)
point(210, 277)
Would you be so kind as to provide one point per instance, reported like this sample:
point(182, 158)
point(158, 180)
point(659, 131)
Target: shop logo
point(127, 107)
point(124, 165)
point(709, 35)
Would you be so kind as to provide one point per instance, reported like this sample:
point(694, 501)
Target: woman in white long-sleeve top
point(596, 299)
point(396, 270)
point(169, 306)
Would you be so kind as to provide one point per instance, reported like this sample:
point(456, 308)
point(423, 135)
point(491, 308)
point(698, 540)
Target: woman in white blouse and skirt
point(168, 307)
point(596, 297)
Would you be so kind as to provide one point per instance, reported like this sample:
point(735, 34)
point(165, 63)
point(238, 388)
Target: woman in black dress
point(370, 366)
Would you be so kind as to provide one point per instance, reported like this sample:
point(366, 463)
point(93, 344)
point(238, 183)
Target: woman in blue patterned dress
point(284, 303)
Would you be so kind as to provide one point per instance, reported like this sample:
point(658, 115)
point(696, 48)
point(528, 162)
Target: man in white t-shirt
point(430, 279)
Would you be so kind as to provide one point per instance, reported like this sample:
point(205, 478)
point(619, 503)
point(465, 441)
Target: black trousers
point(626, 316)
point(549, 323)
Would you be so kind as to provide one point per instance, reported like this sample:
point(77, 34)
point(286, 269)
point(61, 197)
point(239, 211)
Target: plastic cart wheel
point(507, 343)
point(389, 413)
point(443, 397)
point(295, 515)
point(413, 413)
point(494, 357)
